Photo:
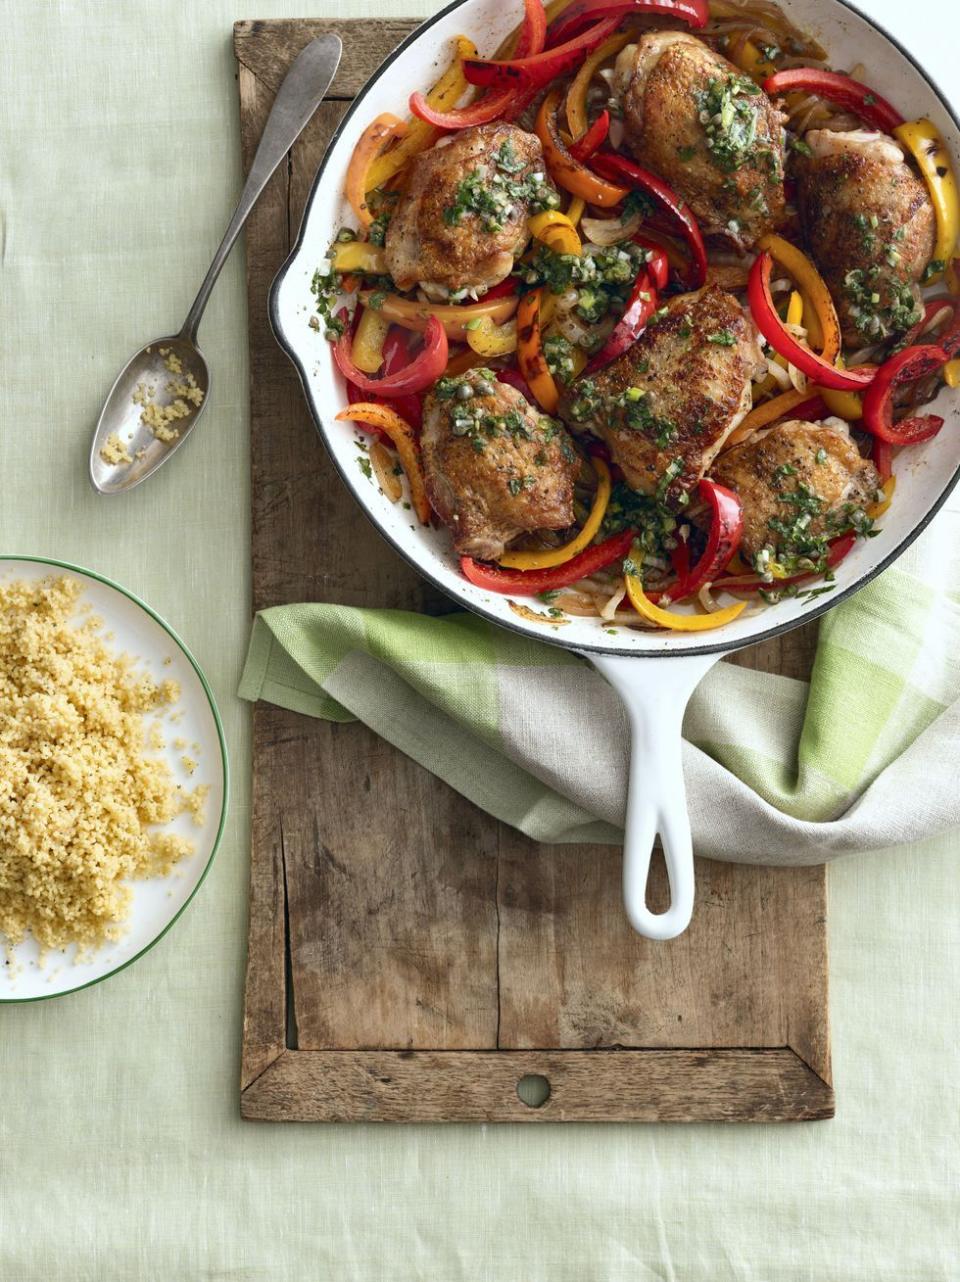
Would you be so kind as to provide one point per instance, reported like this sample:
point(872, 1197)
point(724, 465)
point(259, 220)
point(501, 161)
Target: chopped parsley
point(377, 231)
point(873, 317)
point(602, 275)
point(730, 114)
point(933, 268)
point(497, 198)
point(325, 287)
point(472, 418)
point(723, 338)
point(558, 352)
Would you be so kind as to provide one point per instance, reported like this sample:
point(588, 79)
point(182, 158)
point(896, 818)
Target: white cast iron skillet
point(655, 673)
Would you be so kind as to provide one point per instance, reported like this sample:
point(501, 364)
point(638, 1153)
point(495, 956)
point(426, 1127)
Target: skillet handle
point(655, 693)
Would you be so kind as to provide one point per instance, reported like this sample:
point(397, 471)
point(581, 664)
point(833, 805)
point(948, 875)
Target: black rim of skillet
point(715, 647)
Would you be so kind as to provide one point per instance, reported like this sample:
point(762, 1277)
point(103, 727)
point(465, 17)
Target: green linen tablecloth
point(122, 1155)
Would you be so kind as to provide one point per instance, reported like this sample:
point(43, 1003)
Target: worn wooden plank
point(388, 913)
point(590, 1086)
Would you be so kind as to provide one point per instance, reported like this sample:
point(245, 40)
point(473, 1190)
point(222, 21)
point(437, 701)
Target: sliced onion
point(610, 608)
point(609, 231)
point(383, 461)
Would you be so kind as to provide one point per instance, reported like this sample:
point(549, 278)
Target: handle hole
point(658, 884)
point(533, 1090)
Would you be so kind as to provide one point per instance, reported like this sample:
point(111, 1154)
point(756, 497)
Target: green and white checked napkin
point(778, 771)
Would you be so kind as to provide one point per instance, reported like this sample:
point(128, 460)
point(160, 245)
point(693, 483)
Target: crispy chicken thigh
point(800, 484)
point(870, 227)
point(711, 132)
point(495, 466)
point(462, 219)
point(666, 406)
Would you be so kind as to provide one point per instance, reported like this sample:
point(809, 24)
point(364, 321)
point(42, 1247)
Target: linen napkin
point(778, 771)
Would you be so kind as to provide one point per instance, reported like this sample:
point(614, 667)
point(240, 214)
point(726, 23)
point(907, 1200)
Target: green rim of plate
point(224, 759)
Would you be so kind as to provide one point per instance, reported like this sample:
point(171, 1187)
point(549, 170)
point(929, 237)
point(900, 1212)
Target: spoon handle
point(299, 96)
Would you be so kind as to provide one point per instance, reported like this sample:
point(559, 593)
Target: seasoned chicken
point(710, 131)
point(801, 484)
point(870, 227)
point(495, 466)
point(462, 219)
point(666, 406)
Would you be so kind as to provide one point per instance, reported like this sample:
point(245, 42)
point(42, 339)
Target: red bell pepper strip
point(506, 105)
point(723, 539)
point(536, 71)
point(584, 146)
point(846, 92)
point(533, 33)
point(658, 265)
point(619, 168)
point(503, 290)
point(695, 13)
point(883, 458)
point(531, 582)
point(424, 369)
point(514, 378)
point(932, 308)
point(768, 321)
point(839, 548)
point(396, 356)
point(641, 305)
point(904, 367)
point(811, 411)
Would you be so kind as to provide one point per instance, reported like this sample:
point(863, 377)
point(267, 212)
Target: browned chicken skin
point(807, 478)
point(462, 219)
point(870, 227)
point(666, 406)
point(495, 466)
point(692, 117)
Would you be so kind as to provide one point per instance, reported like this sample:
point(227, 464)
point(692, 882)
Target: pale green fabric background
point(121, 1152)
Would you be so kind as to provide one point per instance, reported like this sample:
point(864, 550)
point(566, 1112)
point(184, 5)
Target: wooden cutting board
point(411, 959)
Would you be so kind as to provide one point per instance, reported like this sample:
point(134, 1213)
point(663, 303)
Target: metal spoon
point(162, 390)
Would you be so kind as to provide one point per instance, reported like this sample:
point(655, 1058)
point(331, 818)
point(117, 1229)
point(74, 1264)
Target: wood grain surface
point(409, 958)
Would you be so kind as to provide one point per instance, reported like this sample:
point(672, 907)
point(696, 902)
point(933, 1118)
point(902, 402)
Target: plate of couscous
point(113, 778)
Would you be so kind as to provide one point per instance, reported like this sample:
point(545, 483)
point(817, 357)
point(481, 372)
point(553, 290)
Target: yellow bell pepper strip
point(451, 86)
point(414, 314)
point(530, 357)
point(877, 510)
point(367, 350)
point(576, 104)
point(490, 340)
point(574, 211)
point(666, 618)
point(372, 141)
point(812, 287)
point(923, 141)
point(746, 55)
point(951, 373)
point(405, 440)
point(360, 256)
point(566, 172)
point(556, 231)
point(591, 528)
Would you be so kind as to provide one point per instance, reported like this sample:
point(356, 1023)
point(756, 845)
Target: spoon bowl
point(162, 390)
point(149, 412)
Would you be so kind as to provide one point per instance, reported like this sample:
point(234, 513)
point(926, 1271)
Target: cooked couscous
point(80, 803)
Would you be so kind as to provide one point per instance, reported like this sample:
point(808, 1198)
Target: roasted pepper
point(404, 438)
point(556, 231)
point(532, 582)
point(924, 143)
point(563, 169)
point(675, 622)
point(848, 93)
point(530, 357)
point(422, 371)
point(576, 103)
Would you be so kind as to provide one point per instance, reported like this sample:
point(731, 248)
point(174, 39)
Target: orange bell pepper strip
point(576, 104)
point(530, 357)
point(454, 317)
point(372, 141)
point(568, 173)
point(405, 440)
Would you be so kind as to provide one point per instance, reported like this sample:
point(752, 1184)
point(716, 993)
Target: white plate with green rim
point(190, 729)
